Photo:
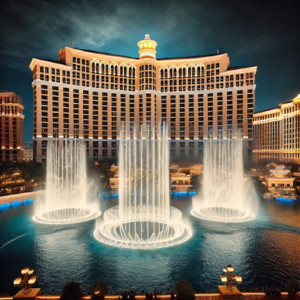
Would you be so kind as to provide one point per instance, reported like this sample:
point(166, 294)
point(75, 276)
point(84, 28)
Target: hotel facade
point(277, 131)
point(88, 94)
point(11, 127)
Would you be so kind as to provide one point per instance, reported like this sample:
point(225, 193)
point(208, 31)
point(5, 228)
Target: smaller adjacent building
point(280, 183)
point(11, 127)
point(276, 131)
point(114, 184)
point(14, 183)
point(180, 182)
point(279, 177)
point(180, 178)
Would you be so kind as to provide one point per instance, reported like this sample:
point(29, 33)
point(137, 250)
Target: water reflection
point(265, 252)
point(287, 213)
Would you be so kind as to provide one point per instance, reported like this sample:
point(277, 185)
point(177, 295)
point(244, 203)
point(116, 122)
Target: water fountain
point(68, 198)
point(226, 196)
point(144, 218)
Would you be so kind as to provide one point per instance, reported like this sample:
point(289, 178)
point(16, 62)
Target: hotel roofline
point(230, 70)
point(296, 99)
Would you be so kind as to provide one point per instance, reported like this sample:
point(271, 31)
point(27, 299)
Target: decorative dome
point(147, 47)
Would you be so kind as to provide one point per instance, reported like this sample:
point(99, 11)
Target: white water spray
point(69, 199)
point(143, 219)
point(226, 196)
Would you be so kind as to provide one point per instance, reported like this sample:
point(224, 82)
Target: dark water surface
point(265, 251)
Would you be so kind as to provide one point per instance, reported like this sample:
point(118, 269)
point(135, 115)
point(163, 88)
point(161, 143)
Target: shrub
point(71, 291)
point(184, 290)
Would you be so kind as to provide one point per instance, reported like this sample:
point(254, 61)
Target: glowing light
point(68, 198)
point(226, 197)
point(143, 219)
point(28, 201)
point(16, 203)
point(4, 206)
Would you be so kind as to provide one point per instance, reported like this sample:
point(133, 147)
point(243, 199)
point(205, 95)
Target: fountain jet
point(226, 196)
point(68, 197)
point(143, 219)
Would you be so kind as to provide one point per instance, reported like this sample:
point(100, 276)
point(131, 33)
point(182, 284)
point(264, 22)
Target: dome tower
point(147, 47)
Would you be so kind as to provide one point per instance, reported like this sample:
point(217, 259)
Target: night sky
point(254, 33)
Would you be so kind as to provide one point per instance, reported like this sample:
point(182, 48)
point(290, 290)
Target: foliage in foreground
point(184, 290)
point(71, 291)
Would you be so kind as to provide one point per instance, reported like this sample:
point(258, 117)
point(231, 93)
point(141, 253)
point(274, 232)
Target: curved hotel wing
point(88, 94)
point(277, 131)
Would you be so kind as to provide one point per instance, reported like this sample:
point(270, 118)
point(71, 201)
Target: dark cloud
point(263, 33)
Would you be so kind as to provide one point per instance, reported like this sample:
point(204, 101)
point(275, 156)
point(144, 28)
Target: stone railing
point(198, 296)
point(20, 197)
point(253, 295)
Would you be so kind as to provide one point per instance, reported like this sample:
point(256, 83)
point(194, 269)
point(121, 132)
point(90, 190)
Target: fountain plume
point(68, 198)
point(143, 219)
point(226, 196)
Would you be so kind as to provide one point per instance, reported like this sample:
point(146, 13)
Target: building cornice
point(45, 62)
point(279, 118)
point(240, 70)
point(106, 56)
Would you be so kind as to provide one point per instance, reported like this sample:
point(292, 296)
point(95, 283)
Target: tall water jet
point(143, 219)
point(69, 197)
point(226, 196)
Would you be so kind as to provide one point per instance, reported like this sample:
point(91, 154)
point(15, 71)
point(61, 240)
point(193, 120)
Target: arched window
point(171, 73)
point(121, 71)
point(180, 72)
point(93, 67)
point(106, 69)
point(112, 70)
point(189, 71)
point(183, 72)
point(130, 72)
point(161, 73)
point(193, 71)
point(125, 71)
point(198, 71)
point(102, 69)
point(166, 73)
point(175, 71)
point(134, 72)
point(97, 68)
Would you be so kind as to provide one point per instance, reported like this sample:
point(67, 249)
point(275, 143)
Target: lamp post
point(26, 281)
point(230, 279)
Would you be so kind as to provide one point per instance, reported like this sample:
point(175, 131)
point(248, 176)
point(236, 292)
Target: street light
point(230, 279)
point(26, 281)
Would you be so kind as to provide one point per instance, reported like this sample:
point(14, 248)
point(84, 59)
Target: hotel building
point(11, 127)
point(88, 94)
point(277, 131)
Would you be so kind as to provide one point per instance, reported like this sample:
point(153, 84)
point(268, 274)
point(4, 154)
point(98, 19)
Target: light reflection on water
point(284, 212)
point(264, 252)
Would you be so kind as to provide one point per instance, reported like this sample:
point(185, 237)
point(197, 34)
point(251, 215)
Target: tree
point(100, 287)
point(196, 182)
point(71, 291)
point(184, 290)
